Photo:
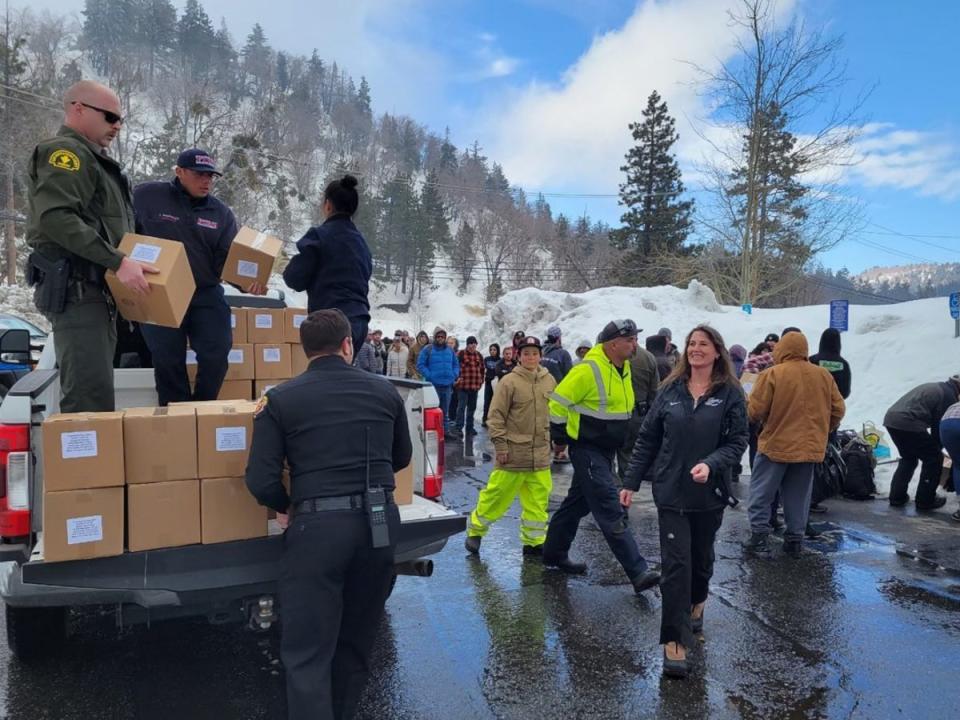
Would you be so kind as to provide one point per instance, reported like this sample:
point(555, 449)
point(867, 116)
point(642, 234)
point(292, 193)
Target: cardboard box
point(82, 450)
point(149, 435)
point(82, 524)
point(162, 515)
point(238, 324)
point(298, 360)
point(272, 362)
point(403, 492)
point(748, 380)
point(171, 289)
point(261, 386)
point(236, 390)
point(241, 363)
point(251, 258)
point(292, 319)
point(224, 431)
point(209, 403)
point(191, 365)
point(229, 512)
point(265, 325)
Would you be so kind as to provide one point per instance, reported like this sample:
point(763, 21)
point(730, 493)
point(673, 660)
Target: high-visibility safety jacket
point(594, 401)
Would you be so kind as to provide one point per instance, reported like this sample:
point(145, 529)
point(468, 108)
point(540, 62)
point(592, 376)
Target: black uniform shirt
point(205, 226)
point(320, 422)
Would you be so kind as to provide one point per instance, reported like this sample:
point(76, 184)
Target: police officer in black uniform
point(341, 430)
point(183, 209)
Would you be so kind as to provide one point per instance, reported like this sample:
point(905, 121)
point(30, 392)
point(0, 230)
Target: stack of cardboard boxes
point(266, 352)
point(182, 467)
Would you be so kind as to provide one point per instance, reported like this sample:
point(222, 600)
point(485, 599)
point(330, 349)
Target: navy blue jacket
point(205, 226)
point(334, 267)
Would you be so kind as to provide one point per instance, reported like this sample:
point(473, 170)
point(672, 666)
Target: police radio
point(375, 500)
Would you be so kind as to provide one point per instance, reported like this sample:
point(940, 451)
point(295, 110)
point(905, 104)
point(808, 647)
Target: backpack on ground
point(858, 481)
point(828, 475)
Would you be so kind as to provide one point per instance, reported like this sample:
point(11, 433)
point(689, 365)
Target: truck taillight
point(14, 480)
point(434, 460)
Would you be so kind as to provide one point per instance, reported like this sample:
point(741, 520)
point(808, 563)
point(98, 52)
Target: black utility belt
point(339, 503)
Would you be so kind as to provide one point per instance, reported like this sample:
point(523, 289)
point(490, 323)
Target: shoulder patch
point(261, 405)
point(64, 160)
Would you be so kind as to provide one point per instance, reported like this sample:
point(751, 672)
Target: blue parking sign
point(955, 305)
point(840, 315)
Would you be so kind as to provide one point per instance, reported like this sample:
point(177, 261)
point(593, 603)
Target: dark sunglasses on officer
point(111, 117)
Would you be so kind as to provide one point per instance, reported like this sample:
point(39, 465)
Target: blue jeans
point(444, 393)
point(466, 408)
point(794, 482)
point(594, 490)
point(950, 438)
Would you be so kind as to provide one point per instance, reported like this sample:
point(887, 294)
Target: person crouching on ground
point(691, 438)
point(798, 405)
point(519, 426)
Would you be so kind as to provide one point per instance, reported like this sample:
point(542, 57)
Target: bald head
point(85, 108)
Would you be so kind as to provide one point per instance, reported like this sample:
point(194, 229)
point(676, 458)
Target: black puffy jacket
point(675, 436)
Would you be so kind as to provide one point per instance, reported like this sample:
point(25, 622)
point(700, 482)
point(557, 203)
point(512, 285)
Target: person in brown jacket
point(519, 426)
point(799, 406)
point(422, 341)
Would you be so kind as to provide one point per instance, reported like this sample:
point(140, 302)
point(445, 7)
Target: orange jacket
point(798, 404)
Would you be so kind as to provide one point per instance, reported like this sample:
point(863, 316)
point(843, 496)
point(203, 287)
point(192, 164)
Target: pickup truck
point(224, 582)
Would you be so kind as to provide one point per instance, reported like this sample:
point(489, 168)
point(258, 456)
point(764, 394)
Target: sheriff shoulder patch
point(261, 406)
point(64, 160)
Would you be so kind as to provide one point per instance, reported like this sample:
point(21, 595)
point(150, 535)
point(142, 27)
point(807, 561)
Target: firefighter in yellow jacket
point(591, 410)
point(519, 425)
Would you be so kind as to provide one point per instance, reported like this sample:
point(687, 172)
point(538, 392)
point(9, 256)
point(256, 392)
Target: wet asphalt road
point(865, 625)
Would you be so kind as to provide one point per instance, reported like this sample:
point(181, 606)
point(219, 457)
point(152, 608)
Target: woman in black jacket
point(692, 436)
point(489, 374)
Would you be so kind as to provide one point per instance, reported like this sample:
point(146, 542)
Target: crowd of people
point(681, 418)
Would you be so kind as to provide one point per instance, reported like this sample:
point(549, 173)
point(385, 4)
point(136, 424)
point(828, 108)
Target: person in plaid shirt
point(468, 386)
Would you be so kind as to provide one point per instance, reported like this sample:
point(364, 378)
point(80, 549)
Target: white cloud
point(925, 162)
point(574, 133)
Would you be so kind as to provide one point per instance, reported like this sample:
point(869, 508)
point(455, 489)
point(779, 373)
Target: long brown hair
point(722, 367)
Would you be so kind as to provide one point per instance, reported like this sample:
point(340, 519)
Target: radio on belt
point(375, 503)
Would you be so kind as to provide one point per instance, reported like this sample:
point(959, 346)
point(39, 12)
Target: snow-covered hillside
point(891, 348)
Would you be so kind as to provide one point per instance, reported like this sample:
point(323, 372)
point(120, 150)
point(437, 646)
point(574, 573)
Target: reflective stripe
point(481, 521)
point(533, 523)
point(561, 400)
point(558, 419)
point(601, 415)
point(532, 533)
point(601, 388)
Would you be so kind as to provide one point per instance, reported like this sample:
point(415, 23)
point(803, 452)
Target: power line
point(13, 88)
point(917, 238)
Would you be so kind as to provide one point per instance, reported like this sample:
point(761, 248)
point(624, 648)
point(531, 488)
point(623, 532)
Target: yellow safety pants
point(533, 487)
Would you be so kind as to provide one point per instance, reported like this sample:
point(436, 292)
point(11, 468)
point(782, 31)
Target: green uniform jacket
point(79, 202)
point(594, 402)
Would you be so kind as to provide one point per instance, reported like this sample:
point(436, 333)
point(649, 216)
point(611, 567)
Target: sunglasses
point(111, 117)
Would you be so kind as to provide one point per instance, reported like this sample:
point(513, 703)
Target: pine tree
point(657, 220)
point(157, 33)
point(196, 39)
point(363, 100)
point(769, 200)
point(434, 231)
point(464, 254)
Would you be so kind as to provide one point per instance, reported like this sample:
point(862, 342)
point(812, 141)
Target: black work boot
point(645, 581)
point(566, 564)
point(533, 550)
point(472, 544)
point(793, 548)
point(938, 502)
point(758, 543)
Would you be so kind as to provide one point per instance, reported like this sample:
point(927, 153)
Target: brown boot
point(675, 660)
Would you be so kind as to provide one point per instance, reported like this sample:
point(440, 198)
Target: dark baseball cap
point(198, 161)
point(530, 341)
point(617, 329)
point(772, 337)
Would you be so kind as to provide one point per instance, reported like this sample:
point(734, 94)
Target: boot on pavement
point(472, 544)
point(758, 543)
point(566, 564)
point(645, 581)
point(675, 661)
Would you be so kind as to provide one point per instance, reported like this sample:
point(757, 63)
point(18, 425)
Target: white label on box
point(144, 252)
point(245, 268)
point(84, 529)
point(235, 357)
point(231, 439)
point(233, 321)
point(78, 444)
point(191, 357)
point(298, 320)
point(263, 322)
point(271, 355)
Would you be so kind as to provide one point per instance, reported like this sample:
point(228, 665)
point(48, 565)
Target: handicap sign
point(747, 308)
point(840, 315)
point(955, 305)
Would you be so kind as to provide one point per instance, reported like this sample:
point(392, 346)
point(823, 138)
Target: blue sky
point(547, 87)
